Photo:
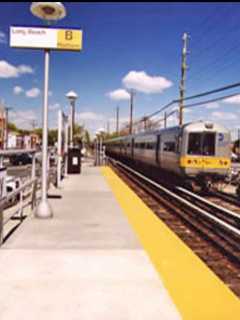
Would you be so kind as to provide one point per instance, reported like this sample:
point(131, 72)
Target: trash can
point(74, 160)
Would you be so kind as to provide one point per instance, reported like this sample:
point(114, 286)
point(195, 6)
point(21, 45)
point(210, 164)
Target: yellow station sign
point(45, 38)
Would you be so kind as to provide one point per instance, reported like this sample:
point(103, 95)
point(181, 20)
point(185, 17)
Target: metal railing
point(12, 204)
point(17, 213)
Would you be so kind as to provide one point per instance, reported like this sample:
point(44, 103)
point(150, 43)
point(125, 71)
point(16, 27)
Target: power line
point(231, 86)
point(211, 100)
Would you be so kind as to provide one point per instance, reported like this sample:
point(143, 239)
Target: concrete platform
point(86, 263)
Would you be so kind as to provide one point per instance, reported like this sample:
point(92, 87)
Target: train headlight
point(208, 125)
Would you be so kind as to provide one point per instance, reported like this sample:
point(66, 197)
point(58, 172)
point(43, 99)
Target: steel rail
point(232, 214)
point(219, 222)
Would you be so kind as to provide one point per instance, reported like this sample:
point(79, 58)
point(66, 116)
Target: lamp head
point(48, 10)
point(101, 130)
point(72, 96)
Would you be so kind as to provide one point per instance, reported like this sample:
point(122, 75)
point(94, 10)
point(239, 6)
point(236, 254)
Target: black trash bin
point(74, 160)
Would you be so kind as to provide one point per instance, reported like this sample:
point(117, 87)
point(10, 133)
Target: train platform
point(104, 256)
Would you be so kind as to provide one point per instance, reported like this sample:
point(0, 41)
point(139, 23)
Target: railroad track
point(228, 198)
point(218, 227)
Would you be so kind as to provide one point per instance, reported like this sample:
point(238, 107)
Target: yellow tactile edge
point(196, 291)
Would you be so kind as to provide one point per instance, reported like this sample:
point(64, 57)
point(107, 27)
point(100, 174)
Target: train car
point(197, 152)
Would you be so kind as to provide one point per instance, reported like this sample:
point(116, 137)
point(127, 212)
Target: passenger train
point(198, 153)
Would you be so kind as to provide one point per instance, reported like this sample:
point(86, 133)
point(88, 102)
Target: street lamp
point(6, 124)
point(72, 97)
point(101, 131)
point(47, 11)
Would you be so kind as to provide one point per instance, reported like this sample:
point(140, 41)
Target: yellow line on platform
point(196, 291)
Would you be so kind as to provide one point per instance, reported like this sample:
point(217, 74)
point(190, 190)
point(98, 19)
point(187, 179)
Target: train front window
point(202, 143)
point(208, 144)
point(194, 144)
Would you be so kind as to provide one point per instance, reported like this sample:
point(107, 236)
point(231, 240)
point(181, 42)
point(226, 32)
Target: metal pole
point(66, 146)
point(183, 77)
point(71, 125)
point(131, 112)
point(72, 121)
point(100, 151)
point(44, 210)
point(6, 127)
point(165, 120)
point(33, 165)
point(6, 124)
point(59, 150)
point(117, 120)
point(96, 150)
point(238, 143)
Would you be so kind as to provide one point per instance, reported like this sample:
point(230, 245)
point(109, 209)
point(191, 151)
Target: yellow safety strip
point(205, 162)
point(196, 291)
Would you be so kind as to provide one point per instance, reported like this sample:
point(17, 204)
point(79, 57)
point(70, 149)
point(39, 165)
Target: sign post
point(47, 39)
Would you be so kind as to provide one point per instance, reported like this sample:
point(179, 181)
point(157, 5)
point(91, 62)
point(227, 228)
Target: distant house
point(22, 141)
point(12, 140)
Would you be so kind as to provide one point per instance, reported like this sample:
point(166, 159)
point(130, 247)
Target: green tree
point(12, 127)
point(38, 131)
point(52, 136)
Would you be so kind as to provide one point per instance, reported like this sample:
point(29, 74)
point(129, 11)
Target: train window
point(209, 144)
point(169, 146)
point(194, 143)
point(202, 143)
point(142, 145)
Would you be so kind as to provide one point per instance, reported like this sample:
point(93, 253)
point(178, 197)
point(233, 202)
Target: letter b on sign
point(68, 35)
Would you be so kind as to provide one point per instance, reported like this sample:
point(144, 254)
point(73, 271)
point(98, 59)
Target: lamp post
point(47, 11)
point(72, 97)
point(6, 125)
point(101, 131)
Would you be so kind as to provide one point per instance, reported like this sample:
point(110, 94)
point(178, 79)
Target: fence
point(12, 204)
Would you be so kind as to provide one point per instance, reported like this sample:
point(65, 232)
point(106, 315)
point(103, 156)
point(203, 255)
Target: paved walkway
point(85, 263)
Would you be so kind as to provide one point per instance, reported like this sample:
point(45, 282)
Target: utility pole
point(238, 144)
point(165, 120)
point(6, 126)
point(108, 127)
point(33, 124)
point(145, 119)
point(183, 77)
point(132, 93)
point(117, 120)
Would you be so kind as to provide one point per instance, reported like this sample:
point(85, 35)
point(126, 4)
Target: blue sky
point(125, 45)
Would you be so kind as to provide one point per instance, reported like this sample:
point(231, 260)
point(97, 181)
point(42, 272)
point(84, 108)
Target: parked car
point(21, 159)
point(12, 184)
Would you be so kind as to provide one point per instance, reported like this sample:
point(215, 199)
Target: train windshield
point(202, 143)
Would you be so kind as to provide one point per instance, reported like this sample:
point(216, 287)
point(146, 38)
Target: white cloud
point(55, 106)
point(187, 110)
point(33, 93)
point(22, 69)
point(89, 116)
point(224, 115)
point(23, 118)
point(8, 70)
point(119, 94)
point(213, 105)
point(17, 90)
point(3, 37)
point(141, 81)
point(233, 100)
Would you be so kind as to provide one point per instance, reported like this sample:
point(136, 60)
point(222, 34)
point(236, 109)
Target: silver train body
point(195, 150)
